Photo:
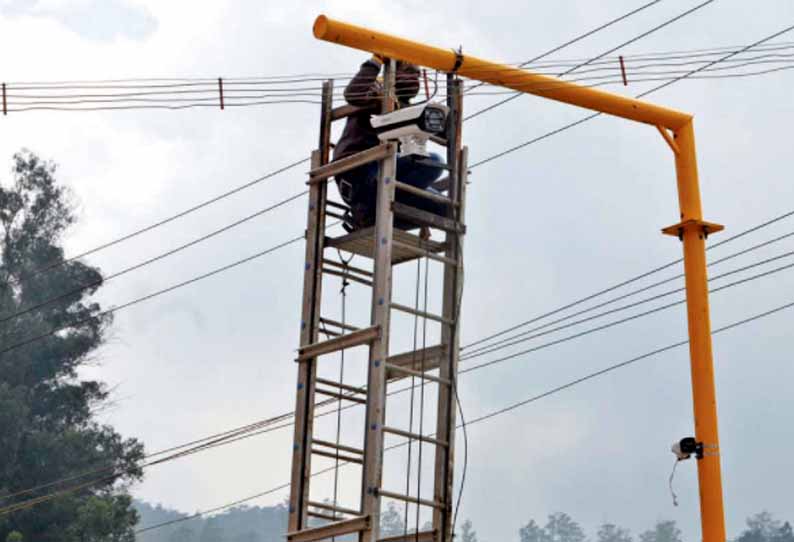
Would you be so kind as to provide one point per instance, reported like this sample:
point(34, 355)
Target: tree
point(391, 521)
point(762, 527)
point(532, 532)
point(47, 425)
point(609, 532)
point(663, 531)
point(784, 533)
point(467, 533)
point(561, 528)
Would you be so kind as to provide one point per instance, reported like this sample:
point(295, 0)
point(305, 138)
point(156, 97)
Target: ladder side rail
point(443, 490)
point(380, 316)
point(310, 320)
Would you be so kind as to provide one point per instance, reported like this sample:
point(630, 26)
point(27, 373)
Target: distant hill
point(241, 524)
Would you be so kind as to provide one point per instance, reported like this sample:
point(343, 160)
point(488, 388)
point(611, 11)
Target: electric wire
point(608, 52)
point(149, 261)
point(649, 91)
point(168, 219)
point(147, 297)
point(641, 95)
point(645, 274)
point(256, 429)
point(513, 406)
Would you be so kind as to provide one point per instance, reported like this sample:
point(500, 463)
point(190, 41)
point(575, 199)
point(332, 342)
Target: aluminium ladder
point(311, 518)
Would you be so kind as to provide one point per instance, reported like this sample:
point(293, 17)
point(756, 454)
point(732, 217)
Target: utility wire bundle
point(189, 93)
point(771, 56)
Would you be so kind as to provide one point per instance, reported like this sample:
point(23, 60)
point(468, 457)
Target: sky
point(548, 224)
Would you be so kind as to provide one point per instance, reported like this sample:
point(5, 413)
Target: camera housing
point(412, 126)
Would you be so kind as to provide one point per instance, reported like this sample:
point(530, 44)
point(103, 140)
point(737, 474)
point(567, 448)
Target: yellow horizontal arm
point(494, 73)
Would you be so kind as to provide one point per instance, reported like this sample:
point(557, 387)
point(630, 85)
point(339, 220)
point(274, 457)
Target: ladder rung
point(346, 387)
point(339, 528)
point(344, 111)
point(330, 333)
point(422, 193)
point(414, 436)
point(427, 219)
point(321, 515)
point(425, 359)
point(408, 498)
point(357, 338)
point(334, 508)
point(421, 536)
point(347, 276)
point(335, 215)
point(423, 252)
point(337, 395)
point(351, 162)
point(348, 268)
point(422, 314)
point(342, 447)
point(338, 205)
point(419, 374)
point(347, 458)
point(340, 325)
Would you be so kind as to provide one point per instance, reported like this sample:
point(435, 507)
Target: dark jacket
point(365, 91)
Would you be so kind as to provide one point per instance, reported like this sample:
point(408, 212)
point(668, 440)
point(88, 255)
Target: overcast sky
point(547, 225)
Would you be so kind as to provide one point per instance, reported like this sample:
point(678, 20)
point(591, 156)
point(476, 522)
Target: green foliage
point(467, 532)
point(762, 527)
point(663, 531)
point(14, 536)
point(609, 532)
point(47, 425)
point(559, 528)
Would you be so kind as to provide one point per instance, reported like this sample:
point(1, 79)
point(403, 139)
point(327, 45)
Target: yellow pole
point(692, 229)
point(693, 232)
point(494, 73)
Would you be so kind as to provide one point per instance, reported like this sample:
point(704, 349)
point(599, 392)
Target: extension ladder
point(310, 517)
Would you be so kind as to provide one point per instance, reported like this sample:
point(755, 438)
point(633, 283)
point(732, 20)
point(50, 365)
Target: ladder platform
point(428, 358)
point(323, 532)
point(405, 247)
point(356, 338)
point(421, 536)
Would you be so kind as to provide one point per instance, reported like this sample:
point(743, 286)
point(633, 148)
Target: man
point(358, 186)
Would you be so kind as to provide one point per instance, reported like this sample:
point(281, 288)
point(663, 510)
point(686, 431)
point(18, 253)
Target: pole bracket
point(677, 230)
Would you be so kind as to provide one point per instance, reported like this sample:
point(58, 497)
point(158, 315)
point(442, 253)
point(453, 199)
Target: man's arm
point(364, 90)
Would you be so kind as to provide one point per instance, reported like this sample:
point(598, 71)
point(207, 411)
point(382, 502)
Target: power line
point(643, 94)
point(506, 409)
point(608, 52)
point(168, 219)
point(152, 260)
point(624, 296)
point(149, 296)
point(266, 426)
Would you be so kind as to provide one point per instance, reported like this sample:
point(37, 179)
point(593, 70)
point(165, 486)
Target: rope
point(343, 294)
point(413, 392)
point(422, 398)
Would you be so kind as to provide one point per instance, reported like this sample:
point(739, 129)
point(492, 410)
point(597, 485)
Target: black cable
point(510, 407)
point(169, 219)
point(138, 300)
point(152, 260)
point(643, 94)
point(612, 50)
point(640, 290)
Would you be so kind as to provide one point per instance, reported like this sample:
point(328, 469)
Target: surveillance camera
point(412, 126)
point(684, 448)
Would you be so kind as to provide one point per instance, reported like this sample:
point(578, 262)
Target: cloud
point(99, 20)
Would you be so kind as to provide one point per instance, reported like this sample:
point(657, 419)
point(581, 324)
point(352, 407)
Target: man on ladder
point(358, 186)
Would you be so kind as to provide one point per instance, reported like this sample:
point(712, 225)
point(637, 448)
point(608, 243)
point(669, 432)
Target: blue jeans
point(417, 171)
